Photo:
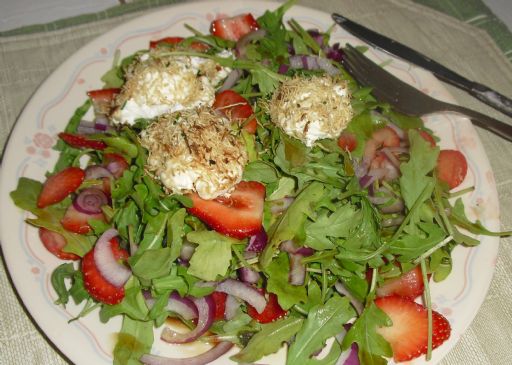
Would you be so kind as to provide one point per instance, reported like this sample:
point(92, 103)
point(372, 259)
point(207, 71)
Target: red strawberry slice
point(409, 285)
point(219, 299)
point(95, 284)
point(452, 167)
point(166, 40)
point(271, 312)
point(428, 137)
point(102, 99)
point(408, 336)
point(197, 46)
point(55, 242)
point(235, 27)
point(239, 215)
point(237, 108)
point(57, 187)
point(77, 222)
point(81, 141)
point(347, 141)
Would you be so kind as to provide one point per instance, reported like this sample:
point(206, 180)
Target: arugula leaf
point(338, 224)
point(292, 220)
point(58, 279)
point(25, 197)
point(152, 263)
point(133, 304)
point(285, 187)
point(459, 218)
point(172, 281)
point(322, 323)
point(260, 171)
point(68, 154)
point(412, 246)
point(278, 283)
point(154, 232)
point(423, 159)
point(133, 341)
point(372, 346)
point(210, 245)
point(175, 232)
point(269, 339)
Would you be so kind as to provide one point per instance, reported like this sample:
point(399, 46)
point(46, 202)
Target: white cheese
point(311, 109)
point(159, 83)
point(195, 151)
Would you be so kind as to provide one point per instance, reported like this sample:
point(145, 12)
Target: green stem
point(428, 304)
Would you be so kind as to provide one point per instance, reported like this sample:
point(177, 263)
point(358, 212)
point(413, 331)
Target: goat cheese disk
point(159, 83)
point(312, 108)
point(195, 151)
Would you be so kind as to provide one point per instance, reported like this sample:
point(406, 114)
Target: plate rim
point(70, 61)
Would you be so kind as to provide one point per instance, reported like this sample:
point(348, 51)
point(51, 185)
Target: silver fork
point(407, 99)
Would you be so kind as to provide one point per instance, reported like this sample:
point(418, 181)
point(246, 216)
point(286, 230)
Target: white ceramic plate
point(29, 153)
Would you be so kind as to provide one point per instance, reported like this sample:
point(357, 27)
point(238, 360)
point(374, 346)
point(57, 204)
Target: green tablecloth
point(464, 35)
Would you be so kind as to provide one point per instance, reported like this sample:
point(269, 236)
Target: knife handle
point(493, 98)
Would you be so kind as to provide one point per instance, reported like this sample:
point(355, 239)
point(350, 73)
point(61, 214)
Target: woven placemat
point(26, 59)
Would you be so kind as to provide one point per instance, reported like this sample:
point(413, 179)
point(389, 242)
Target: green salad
point(244, 185)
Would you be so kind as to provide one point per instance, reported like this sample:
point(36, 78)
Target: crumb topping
point(195, 151)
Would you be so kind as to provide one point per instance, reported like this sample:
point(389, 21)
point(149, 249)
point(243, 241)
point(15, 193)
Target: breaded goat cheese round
point(159, 83)
point(311, 108)
point(195, 151)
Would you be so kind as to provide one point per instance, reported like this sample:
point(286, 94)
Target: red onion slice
point(257, 242)
point(114, 272)
point(184, 307)
point(97, 172)
point(358, 306)
point(187, 250)
point(241, 44)
point(206, 313)
point(232, 305)
point(391, 157)
point(297, 274)
point(90, 201)
point(202, 359)
point(245, 292)
point(231, 80)
point(289, 246)
point(280, 205)
point(248, 275)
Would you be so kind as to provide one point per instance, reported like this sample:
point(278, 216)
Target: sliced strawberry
point(95, 284)
point(55, 242)
point(115, 163)
point(102, 99)
point(81, 141)
point(408, 285)
point(166, 40)
point(452, 167)
point(235, 27)
point(347, 141)
point(408, 335)
point(197, 46)
point(271, 312)
point(428, 137)
point(77, 222)
point(239, 215)
point(237, 108)
point(59, 186)
point(219, 299)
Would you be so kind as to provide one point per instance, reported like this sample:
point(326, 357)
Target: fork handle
point(501, 129)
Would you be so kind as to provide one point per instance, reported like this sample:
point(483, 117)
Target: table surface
point(17, 13)
point(26, 60)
